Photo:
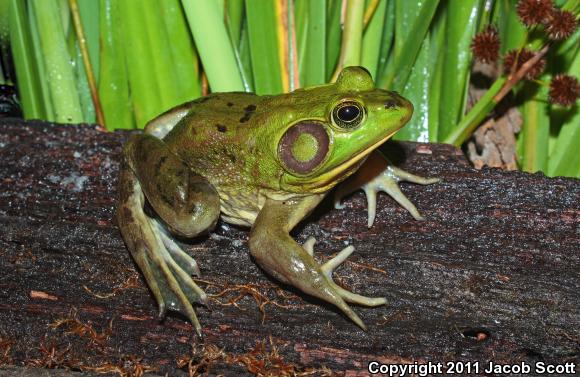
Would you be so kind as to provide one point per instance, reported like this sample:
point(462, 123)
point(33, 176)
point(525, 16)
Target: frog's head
point(333, 128)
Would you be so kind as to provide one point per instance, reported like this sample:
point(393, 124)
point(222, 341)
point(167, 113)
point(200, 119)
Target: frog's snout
point(400, 104)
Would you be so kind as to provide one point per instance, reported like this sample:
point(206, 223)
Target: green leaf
point(372, 39)
point(264, 46)
point(143, 82)
point(437, 55)
point(60, 76)
point(40, 63)
point(473, 118)
point(89, 11)
point(183, 56)
point(411, 26)
point(386, 43)
point(114, 81)
point(417, 91)
point(461, 24)
point(536, 128)
point(564, 157)
point(29, 88)
point(333, 36)
point(215, 48)
point(313, 63)
point(352, 34)
point(234, 13)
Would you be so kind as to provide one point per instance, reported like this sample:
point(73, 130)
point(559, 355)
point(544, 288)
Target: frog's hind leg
point(378, 174)
point(193, 208)
point(277, 253)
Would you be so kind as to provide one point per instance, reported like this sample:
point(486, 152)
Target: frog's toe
point(166, 268)
point(183, 259)
point(308, 245)
point(388, 182)
point(328, 267)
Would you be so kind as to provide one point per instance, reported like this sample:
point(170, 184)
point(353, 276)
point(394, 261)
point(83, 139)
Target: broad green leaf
point(113, 83)
point(372, 38)
point(312, 65)
point(536, 128)
point(143, 82)
point(333, 36)
point(461, 24)
point(183, 62)
point(214, 48)
point(61, 79)
point(265, 46)
point(437, 55)
point(411, 25)
point(386, 42)
point(89, 10)
point(28, 78)
point(352, 34)
point(234, 18)
point(417, 91)
point(564, 157)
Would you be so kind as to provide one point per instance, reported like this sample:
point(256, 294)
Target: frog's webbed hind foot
point(328, 268)
point(165, 266)
point(377, 175)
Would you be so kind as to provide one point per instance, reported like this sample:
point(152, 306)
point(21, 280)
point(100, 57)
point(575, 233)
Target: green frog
point(263, 162)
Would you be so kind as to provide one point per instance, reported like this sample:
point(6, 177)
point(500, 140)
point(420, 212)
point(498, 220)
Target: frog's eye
point(348, 114)
point(303, 147)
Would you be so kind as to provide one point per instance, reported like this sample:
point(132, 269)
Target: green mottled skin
point(219, 155)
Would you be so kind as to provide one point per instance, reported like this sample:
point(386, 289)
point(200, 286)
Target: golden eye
point(348, 114)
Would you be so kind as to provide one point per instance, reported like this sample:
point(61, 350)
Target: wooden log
point(491, 274)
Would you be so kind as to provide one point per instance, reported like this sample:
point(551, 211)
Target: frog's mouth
point(328, 180)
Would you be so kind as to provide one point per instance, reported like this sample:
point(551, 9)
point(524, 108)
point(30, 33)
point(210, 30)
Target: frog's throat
point(328, 180)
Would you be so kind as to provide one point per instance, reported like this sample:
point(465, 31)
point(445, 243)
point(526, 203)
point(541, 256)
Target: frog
point(263, 162)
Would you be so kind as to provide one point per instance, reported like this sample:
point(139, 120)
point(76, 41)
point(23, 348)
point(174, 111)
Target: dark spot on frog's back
point(160, 163)
point(221, 127)
point(248, 112)
point(230, 104)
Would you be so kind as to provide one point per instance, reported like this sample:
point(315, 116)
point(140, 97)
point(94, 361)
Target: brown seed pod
point(561, 24)
point(564, 90)
point(485, 45)
point(534, 12)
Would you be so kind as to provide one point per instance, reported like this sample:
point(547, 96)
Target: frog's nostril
point(391, 104)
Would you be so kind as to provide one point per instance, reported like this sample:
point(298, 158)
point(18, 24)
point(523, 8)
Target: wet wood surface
point(491, 274)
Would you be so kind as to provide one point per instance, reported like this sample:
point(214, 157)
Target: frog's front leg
point(378, 174)
point(276, 252)
point(186, 203)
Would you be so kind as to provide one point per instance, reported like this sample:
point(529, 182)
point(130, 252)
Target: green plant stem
point(24, 62)
point(397, 75)
point(500, 88)
point(87, 62)
point(352, 36)
point(264, 38)
point(61, 80)
point(114, 81)
point(215, 49)
point(477, 113)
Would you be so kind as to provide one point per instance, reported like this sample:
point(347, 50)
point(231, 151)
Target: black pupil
point(348, 113)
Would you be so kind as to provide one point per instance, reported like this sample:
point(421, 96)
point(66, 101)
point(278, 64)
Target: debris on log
point(490, 275)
